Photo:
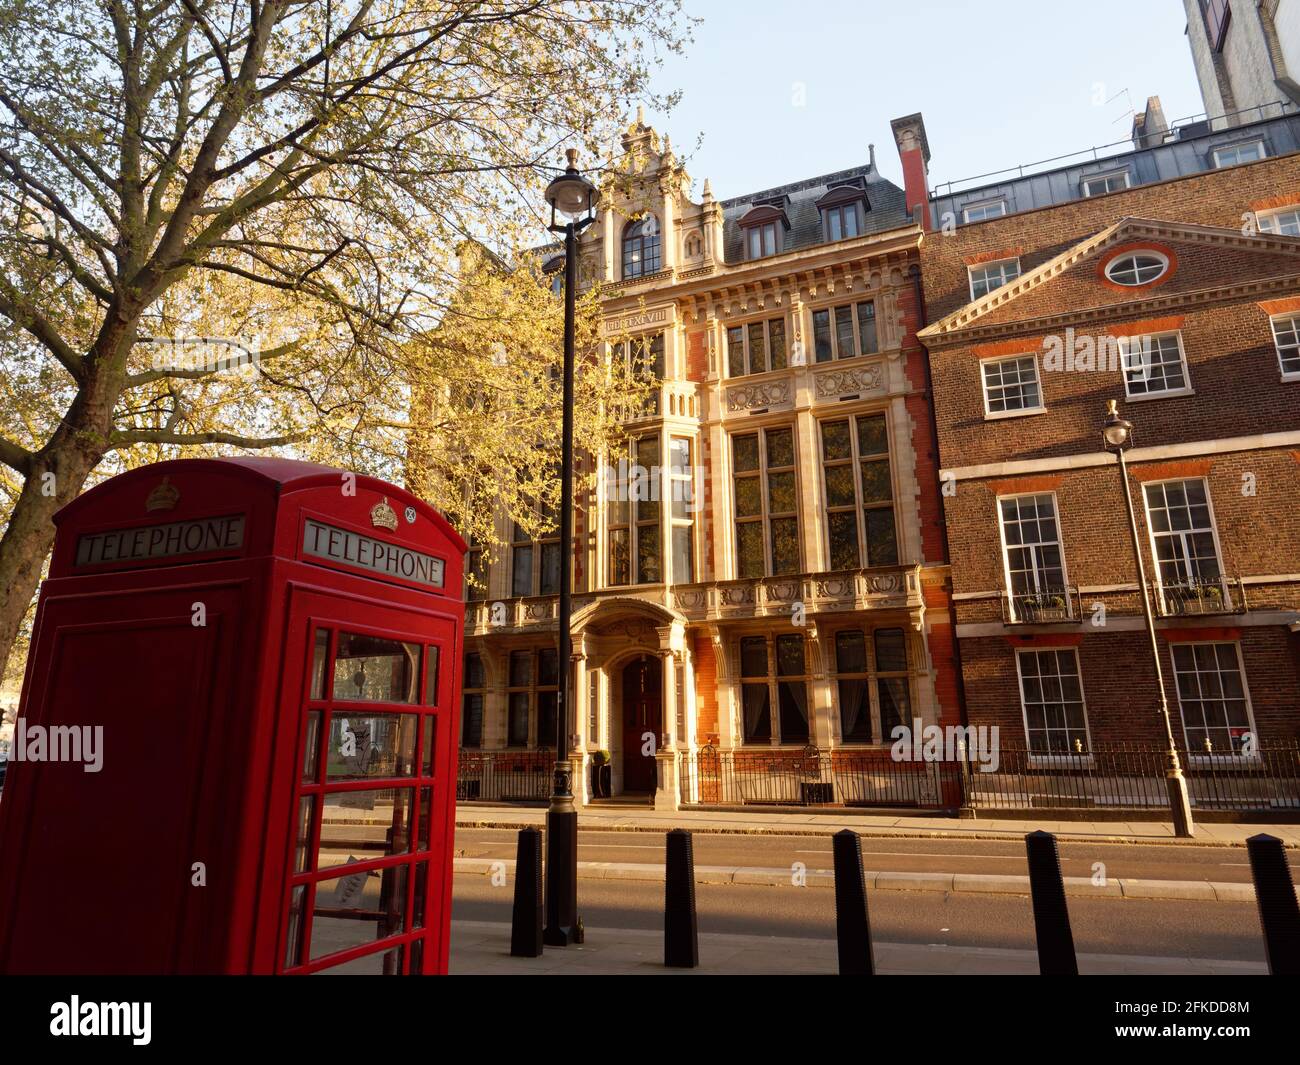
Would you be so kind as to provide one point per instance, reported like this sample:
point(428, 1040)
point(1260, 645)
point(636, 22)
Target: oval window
point(1137, 268)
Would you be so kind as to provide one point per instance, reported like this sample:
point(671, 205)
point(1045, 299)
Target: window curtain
point(855, 714)
point(794, 711)
point(895, 707)
point(758, 722)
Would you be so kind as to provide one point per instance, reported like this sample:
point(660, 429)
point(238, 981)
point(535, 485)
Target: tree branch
point(124, 438)
point(15, 457)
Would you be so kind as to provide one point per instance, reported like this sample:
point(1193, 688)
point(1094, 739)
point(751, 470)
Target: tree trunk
point(30, 535)
point(73, 451)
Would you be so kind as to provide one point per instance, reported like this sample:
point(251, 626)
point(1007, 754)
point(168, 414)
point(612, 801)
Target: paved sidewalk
point(767, 822)
point(483, 947)
point(948, 883)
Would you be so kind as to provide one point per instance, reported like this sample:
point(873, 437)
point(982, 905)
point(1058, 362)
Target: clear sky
point(782, 90)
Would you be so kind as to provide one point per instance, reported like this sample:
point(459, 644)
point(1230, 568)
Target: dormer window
point(641, 256)
point(764, 227)
point(553, 269)
point(843, 211)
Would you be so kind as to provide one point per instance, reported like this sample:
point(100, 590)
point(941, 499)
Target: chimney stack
point(1150, 127)
point(914, 151)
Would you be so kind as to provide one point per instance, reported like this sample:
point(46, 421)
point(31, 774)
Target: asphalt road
point(1161, 928)
point(1154, 862)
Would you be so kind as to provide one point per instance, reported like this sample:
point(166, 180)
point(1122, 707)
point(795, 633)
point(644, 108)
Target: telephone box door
point(368, 889)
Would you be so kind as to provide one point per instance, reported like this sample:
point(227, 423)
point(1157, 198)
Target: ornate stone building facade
point(761, 568)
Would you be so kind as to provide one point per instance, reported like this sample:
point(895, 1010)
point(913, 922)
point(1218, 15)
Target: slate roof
point(886, 201)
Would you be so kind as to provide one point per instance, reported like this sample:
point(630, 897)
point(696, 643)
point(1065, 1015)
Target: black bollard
point(1279, 915)
point(852, 925)
point(681, 929)
point(526, 922)
point(1051, 916)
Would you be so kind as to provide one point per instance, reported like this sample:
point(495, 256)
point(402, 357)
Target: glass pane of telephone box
point(381, 963)
point(293, 936)
point(319, 653)
point(376, 670)
point(356, 909)
point(426, 817)
point(431, 676)
point(306, 809)
point(430, 738)
point(357, 826)
point(311, 747)
point(370, 745)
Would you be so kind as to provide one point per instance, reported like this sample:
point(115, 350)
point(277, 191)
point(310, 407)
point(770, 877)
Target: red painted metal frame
point(237, 782)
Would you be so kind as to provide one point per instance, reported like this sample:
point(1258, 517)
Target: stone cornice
point(1150, 307)
point(778, 270)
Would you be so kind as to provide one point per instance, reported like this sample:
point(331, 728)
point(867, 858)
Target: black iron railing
point(811, 777)
point(1008, 777)
point(504, 776)
point(1041, 607)
point(1131, 776)
point(1202, 595)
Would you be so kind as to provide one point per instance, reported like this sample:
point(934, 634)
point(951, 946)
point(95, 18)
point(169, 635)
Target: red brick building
point(1167, 279)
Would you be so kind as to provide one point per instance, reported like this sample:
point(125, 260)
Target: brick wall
point(1119, 684)
point(1237, 388)
point(706, 692)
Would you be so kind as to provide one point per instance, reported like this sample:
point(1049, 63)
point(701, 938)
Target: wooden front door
point(642, 715)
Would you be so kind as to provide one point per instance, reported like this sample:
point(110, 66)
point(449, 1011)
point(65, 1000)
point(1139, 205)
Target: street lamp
point(1117, 437)
point(573, 197)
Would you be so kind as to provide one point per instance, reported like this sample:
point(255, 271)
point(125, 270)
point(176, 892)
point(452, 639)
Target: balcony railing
point(1048, 605)
point(674, 399)
point(885, 587)
point(1201, 596)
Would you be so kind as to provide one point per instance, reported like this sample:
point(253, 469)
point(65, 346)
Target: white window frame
point(682, 488)
point(1126, 349)
point(1217, 153)
point(980, 207)
point(1294, 317)
point(1002, 539)
point(1264, 218)
point(1136, 253)
point(1106, 177)
point(1200, 755)
point(1214, 531)
point(1048, 758)
point(985, 268)
point(1020, 412)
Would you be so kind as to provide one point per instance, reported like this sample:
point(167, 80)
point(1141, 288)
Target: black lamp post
point(1117, 437)
point(573, 197)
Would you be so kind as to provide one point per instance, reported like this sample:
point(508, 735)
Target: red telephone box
point(270, 652)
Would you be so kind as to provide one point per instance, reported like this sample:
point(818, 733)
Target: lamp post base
point(561, 863)
point(1180, 805)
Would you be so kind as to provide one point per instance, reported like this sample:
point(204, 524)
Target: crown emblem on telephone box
point(164, 497)
point(382, 516)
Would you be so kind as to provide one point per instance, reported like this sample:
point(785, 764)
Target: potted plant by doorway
point(601, 775)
